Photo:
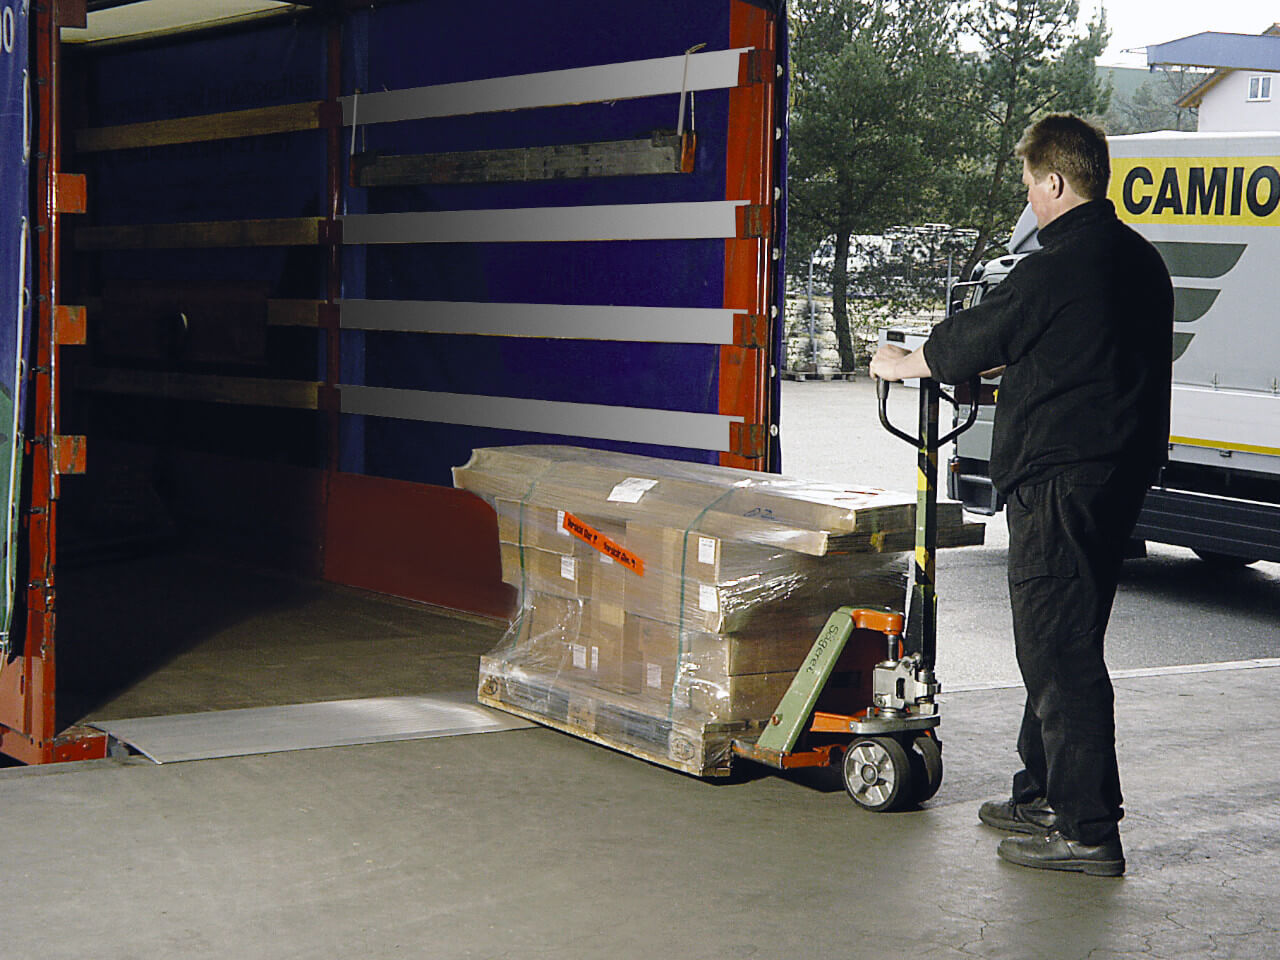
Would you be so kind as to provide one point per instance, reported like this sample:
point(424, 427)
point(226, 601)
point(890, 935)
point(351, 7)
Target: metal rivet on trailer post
point(773, 429)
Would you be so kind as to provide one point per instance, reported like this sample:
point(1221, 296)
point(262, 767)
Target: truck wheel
point(1223, 561)
point(877, 774)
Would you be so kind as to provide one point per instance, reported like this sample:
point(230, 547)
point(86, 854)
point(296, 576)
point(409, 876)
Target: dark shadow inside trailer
point(192, 571)
point(175, 631)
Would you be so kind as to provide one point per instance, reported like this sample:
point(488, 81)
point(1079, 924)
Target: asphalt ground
point(1171, 608)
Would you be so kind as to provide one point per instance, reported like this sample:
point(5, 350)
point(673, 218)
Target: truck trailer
point(268, 271)
point(1210, 203)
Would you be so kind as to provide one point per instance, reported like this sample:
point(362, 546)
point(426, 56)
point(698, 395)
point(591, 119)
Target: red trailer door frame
point(28, 681)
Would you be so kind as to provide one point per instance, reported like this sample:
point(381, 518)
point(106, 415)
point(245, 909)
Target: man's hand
point(892, 362)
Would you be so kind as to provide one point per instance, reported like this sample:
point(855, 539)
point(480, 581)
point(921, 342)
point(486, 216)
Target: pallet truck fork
point(889, 752)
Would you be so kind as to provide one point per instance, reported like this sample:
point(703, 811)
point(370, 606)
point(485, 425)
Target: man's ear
point(1057, 184)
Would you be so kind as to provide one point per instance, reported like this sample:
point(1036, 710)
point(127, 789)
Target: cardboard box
point(718, 502)
point(584, 574)
point(543, 527)
point(594, 476)
point(581, 641)
point(773, 647)
point(754, 601)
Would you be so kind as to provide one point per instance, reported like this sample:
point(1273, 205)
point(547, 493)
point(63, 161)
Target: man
point(1083, 329)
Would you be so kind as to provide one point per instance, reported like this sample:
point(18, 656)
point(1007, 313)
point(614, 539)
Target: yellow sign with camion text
point(1240, 191)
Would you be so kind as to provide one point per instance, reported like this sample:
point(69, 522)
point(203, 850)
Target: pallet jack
point(889, 752)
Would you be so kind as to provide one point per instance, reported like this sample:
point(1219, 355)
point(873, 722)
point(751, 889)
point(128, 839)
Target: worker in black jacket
point(1083, 329)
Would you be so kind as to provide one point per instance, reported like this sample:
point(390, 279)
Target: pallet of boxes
point(665, 606)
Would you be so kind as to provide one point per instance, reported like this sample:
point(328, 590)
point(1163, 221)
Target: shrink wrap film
point(665, 606)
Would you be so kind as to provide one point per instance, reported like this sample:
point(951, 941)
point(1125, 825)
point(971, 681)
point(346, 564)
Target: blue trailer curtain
point(412, 45)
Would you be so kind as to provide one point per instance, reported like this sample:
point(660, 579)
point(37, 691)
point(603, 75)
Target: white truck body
point(1226, 391)
point(1211, 205)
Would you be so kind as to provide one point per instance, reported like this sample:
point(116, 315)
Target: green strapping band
point(684, 559)
point(524, 582)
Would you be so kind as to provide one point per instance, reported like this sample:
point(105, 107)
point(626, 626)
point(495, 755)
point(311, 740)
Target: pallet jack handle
point(922, 611)
point(882, 394)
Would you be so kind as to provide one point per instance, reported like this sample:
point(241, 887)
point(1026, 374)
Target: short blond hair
point(1075, 149)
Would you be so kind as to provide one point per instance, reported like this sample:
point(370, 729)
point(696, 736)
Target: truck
point(1210, 203)
point(269, 270)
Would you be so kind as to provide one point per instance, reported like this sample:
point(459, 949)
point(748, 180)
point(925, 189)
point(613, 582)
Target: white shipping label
point(706, 550)
point(595, 659)
point(653, 674)
point(708, 598)
point(568, 568)
point(579, 656)
point(607, 561)
point(560, 524)
point(631, 490)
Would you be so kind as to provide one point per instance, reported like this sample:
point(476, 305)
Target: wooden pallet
point(644, 729)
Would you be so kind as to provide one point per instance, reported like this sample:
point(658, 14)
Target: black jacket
point(1084, 327)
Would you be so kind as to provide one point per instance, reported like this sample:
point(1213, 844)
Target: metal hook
point(684, 86)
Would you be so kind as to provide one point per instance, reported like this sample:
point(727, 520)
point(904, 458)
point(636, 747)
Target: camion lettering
point(1243, 190)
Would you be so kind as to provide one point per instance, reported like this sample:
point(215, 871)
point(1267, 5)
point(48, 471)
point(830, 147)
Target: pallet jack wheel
point(877, 774)
point(926, 756)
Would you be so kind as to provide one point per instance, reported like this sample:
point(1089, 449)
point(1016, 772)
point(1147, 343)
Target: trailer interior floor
point(179, 633)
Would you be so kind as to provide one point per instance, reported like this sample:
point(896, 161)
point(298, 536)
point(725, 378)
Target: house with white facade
point(1237, 99)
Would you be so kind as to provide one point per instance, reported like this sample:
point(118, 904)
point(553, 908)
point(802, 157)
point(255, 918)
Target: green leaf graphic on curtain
point(1200, 260)
point(1180, 343)
point(1190, 304)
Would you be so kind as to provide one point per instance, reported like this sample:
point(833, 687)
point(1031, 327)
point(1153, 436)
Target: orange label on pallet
point(593, 537)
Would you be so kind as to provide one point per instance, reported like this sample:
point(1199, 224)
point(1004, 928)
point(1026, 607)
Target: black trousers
point(1066, 540)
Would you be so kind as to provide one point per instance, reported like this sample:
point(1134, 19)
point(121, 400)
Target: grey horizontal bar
point(670, 428)
point(561, 321)
point(714, 70)
point(714, 219)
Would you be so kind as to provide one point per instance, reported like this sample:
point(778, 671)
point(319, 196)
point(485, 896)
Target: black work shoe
point(1056, 852)
point(1036, 817)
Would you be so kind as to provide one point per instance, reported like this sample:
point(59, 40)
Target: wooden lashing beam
point(661, 153)
point(210, 388)
point(286, 232)
point(260, 121)
point(294, 313)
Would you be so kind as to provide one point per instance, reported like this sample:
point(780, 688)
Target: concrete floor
point(532, 844)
